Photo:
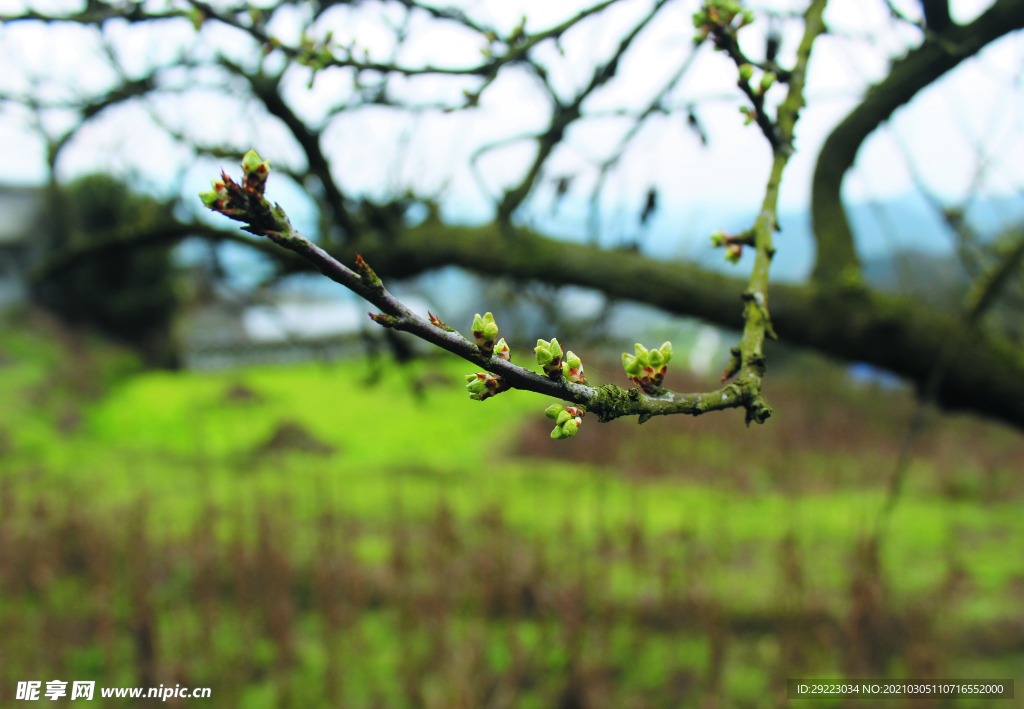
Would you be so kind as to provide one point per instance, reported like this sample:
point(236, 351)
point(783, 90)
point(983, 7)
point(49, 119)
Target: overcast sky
point(376, 151)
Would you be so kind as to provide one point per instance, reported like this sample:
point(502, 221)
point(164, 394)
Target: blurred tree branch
point(941, 51)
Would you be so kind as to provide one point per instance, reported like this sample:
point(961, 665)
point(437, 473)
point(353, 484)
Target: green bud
point(655, 359)
point(251, 161)
point(553, 411)
point(573, 371)
point(557, 433)
point(562, 418)
point(209, 198)
point(767, 80)
point(477, 386)
point(549, 356)
point(746, 72)
point(748, 17)
point(502, 351)
point(569, 428)
point(641, 355)
point(484, 331)
point(631, 365)
point(666, 351)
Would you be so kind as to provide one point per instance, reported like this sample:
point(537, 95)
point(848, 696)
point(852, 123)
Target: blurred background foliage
point(314, 536)
point(127, 293)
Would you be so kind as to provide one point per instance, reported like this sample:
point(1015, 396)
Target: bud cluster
point(549, 356)
point(733, 244)
point(767, 78)
point(647, 368)
point(485, 330)
point(245, 202)
point(484, 385)
point(567, 420)
point(718, 16)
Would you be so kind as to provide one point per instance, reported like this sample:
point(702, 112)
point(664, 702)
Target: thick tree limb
point(986, 374)
point(940, 52)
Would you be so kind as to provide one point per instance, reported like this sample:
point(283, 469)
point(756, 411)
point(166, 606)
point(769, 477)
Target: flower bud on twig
point(567, 420)
point(485, 330)
point(502, 351)
point(573, 369)
point(255, 169)
point(484, 385)
point(549, 356)
point(438, 323)
point(647, 368)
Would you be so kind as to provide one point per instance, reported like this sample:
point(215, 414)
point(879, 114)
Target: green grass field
point(301, 536)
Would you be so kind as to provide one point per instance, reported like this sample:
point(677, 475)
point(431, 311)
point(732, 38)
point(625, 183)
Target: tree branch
point(941, 51)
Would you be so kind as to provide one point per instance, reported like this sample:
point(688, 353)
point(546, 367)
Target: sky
point(974, 111)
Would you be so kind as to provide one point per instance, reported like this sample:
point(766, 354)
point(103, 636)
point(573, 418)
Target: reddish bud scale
point(366, 274)
point(495, 385)
point(436, 322)
point(382, 319)
point(487, 345)
point(574, 374)
point(256, 179)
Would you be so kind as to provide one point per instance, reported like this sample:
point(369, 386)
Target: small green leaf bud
point(556, 349)
point(502, 351)
point(748, 17)
point(477, 386)
point(641, 355)
point(543, 354)
point(718, 239)
point(255, 171)
point(733, 252)
point(767, 80)
point(562, 418)
point(485, 330)
point(569, 428)
point(484, 385)
point(549, 356)
point(631, 365)
point(557, 434)
point(655, 359)
point(209, 198)
point(746, 72)
point(573, 369)
point(553, 411)
point(251, 161)
point(666, 351)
